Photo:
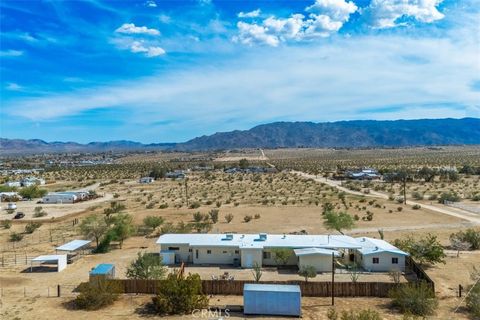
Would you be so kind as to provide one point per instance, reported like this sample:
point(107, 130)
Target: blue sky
point(167, 71)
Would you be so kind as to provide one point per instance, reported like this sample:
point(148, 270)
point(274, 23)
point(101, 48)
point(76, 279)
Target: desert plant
point(282, 255)
point(414, 298)
point(247, 218)
point(395, 275)
point(307, 272)
point(197, 216)
point(426, 250)
point(338, 221)
point(153, 222)
point(32, 226)
point(15, 237)
point(97, 294)
point(213, 215)
point(146, 266)
point(257, 272)
point(228, 217)
point(470, 236)
point(93, 227)
point(6, 224)
point(122, 228)
point(179, 295)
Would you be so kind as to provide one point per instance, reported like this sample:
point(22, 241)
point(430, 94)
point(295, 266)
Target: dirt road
point(455, 212)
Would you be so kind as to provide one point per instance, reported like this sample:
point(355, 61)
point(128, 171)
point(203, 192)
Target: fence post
point(58, 291)
point(15, 257)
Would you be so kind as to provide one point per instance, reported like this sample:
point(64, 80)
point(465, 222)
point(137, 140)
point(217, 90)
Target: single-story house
point(60, 197)
point(177, 174)
point(364, 174)
point(146, 180)
point(12, 184)
point(248, 250)
point(31, 181)
point(379, 255)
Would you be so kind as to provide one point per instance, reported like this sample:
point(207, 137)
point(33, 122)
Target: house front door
point(249, 260)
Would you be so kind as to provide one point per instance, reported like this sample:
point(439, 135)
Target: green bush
point(15, 237)
point(416, 207)
point(427, 250)
point(366, 314)
point(470, 236)
point(6, 224)
point(473, 300)
point(32, 192)
point(179, 295)
point(414, 298)
point(194, 205)
point(32, 226)
point(449, 196)
point(247, 218)
point(97, 294)
point(146, 266)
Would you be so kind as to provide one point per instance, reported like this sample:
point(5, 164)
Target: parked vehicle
point(19, 215)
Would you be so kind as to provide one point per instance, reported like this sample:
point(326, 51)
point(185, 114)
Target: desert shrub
point(433, 197)
point(15, 237)
point(416, 207)
point(414, 298)
point(194, 205)
point(366, 314)
point(213, 215)
point(32, 226)
point(228, 217)
point(473, 300)
point(399, 209)
point(449, 196)
point(417, 195)
point(146, 266)
point(470, 236)
point(97, 294)
point(179, 295)
point(153, 222)
point(163, 206)
point(197, 216)
point(247, 218)
point(256, 216)
point(6, 224)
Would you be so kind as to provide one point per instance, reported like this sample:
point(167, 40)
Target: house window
point(196, 254)
point(394, 260)
point(376, 260)
point(237, 251)
point(224, 252)
point(190, 250)
point(174, 248)
point(267, 255)
point(209, 251)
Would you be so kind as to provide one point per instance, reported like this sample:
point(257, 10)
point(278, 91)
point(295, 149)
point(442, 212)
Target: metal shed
point(272, 299)
point(103, 271)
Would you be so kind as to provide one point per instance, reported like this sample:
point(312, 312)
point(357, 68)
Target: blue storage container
point(272, 299)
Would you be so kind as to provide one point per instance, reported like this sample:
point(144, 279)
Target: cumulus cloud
point(326, 17)
point(251, 14)
point(385, 13)
point(150, 51)
point(150, 4)
point(130, 28)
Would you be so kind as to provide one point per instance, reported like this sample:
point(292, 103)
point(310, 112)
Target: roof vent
point(228, 236)
point(262, 237)
point(376, 248)
point(284, 236)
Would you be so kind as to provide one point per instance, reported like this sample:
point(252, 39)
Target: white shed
point(58, 259)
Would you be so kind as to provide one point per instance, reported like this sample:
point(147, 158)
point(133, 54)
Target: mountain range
point(341, 134)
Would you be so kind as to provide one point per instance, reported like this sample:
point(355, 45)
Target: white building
point(31, 181)
point(60, 197)
point(379, 255)
point(146, 180)
point(13, 184)
point(247, 250)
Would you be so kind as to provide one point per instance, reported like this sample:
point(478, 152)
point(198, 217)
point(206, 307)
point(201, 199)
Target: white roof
point(372, 245)
point(50, 258)
point(315, 252)
point(73, 245)
point(245, 241)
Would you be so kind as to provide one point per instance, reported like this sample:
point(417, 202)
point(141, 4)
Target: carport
point(56, 259)
point(73, 248)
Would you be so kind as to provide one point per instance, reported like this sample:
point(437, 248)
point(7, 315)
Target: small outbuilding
point(146, 180)
point(379, 255)
point(168, 257)
point(272, 299)
point(60, 260)
point(319, 258)
point(103, 271)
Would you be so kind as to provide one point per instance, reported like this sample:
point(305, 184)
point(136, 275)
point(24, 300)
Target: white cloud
point(164, 18)
point(326, 17)
point(13, 87)
point(150, 51)
point(11, 53)
point(251, 14)
point(130, 28)
point(385, 13)
point(150, 4)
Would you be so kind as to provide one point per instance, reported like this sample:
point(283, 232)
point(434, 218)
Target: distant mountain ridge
point(341, 134)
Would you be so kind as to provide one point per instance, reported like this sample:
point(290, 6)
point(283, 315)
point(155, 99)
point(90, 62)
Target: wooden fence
point(235, 287)
point(419, 272)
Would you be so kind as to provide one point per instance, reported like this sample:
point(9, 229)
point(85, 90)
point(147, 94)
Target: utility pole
point(333, 279)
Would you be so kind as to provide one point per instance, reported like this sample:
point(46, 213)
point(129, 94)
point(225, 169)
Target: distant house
point(32, 181)
point(202, 168)
point(379, 255)
point(146, 180)
point(9, 196)
point(13, 184)
point(177, 174)
point(251, 170)
point(364, 174)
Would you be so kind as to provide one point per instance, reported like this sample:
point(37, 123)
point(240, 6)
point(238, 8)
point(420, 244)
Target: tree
point(338, 221)
point(414, 298)
point(158, 172)
point(115, 207)
point(448, 197)
point(32, 226)
point(281, 255)
point(243, 163)
point(153, 222)
point(122, 228)
point(426, 251)
point(469, 236)
point(32, 192)
point(147, 266)
point(307, 272)
point(93, 227)
point(257, 272)
point(179, 295)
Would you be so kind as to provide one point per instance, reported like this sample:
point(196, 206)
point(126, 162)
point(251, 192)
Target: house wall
point(59, 199)
point(217, 255)
point(385, 262)
point(292, 261)
point(182, 254)
point(322, 263)
point(250, 257)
